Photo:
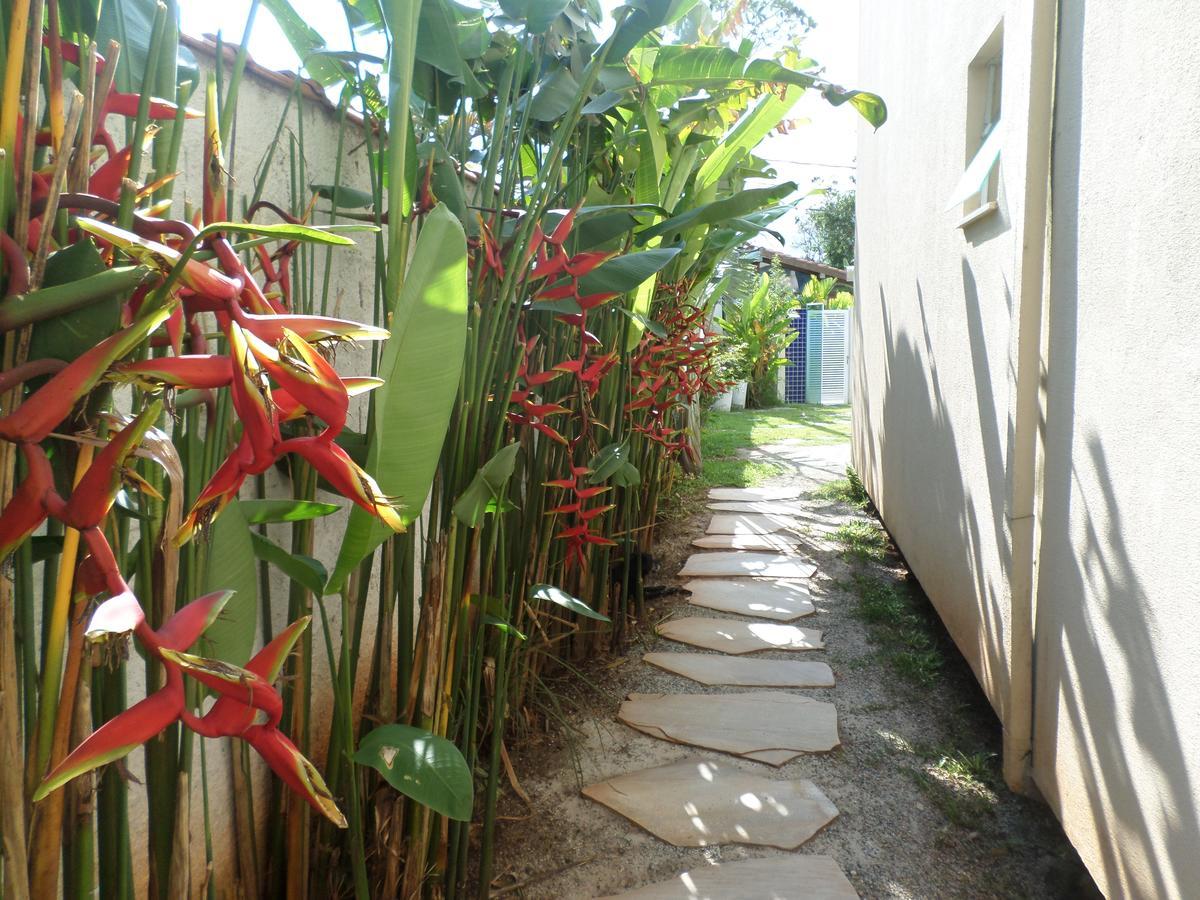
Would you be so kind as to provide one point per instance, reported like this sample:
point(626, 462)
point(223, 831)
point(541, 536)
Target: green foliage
point(421, 367)
point(651, 142)
point(817, 290)
point(828, 235)
point(758, 328)
point(905, 634)
point(230, 565)
point(848, 490)
point(965, 802)
point(862, 541)
point(421, 765)
point(764, 22)
point(557, 595)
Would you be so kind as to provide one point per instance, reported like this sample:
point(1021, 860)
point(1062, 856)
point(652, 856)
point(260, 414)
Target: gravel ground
point(908, 827)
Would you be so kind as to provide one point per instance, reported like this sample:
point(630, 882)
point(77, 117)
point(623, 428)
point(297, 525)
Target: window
point(978, 188)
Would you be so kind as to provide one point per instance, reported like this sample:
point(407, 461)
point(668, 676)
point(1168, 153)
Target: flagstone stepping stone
point(777, 542)
point(750, 523)
point(769, 726)
point(782, 601)
point(735, 563)
point(702, 802)
point(732, 636)
point(752, 495)
point(770, 878)
point(768, 507)
point(741, 671)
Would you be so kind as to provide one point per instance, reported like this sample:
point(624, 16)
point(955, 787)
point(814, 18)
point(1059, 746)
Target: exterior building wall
point(1025, 410)
point(933, 313)
point(1117, 689)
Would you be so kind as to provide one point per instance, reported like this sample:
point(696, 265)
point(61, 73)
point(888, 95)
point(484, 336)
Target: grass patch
point(902, 632)
point(848, 490)
point(724, 434)
point(918, 666)
point(966, 803)
point(727, 432)
point(976, 767)
point(862, 541)
point(738, 472)
point(960, 785)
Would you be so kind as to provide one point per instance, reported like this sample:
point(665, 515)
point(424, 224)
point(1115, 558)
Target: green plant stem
point(128, 191)
point(20, 310)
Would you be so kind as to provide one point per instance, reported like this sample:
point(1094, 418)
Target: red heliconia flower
point(123, 733)
point(119, 104)
point(50, 404)
point(491, 249)
point(220, 491)
point(26, 511)
point(243, 693)
point(96, 491)
point(582, 263)
point(580, 535)
point(189, 372)
point(309, 379)
point(563, 229)
point(213, 191)
point(272, 328)
point(347, 477)
point(203, 279)
point(249, 393)
point(106, 180)
point(290, 408)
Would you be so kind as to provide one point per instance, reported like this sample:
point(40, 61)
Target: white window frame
point(977, 190)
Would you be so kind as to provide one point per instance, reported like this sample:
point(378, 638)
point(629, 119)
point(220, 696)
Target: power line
point(794, 162)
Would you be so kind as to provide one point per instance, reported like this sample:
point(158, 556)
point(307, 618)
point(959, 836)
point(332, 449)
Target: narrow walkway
point(756, 570)
point(772, 770)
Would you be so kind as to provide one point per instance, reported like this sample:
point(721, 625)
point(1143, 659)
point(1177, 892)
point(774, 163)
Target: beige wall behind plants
point(1026, 412)
point(261, 103)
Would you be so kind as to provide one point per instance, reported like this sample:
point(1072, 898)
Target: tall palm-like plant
point(549, 207)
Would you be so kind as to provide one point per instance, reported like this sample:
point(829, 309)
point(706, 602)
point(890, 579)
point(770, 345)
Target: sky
point(819, 152)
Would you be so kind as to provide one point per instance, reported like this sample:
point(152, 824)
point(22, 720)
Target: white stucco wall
point(955, 446)
point(933, 313)
point(1117, 729)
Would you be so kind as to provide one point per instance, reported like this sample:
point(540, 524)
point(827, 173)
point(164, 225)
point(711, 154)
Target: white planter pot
point(739, 395)
point(724, 402)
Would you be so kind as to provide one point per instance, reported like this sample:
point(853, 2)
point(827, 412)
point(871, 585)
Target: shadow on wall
point(1114, 708)
point(915, 435)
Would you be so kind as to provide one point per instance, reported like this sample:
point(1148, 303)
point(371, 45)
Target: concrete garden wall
point(260, 106)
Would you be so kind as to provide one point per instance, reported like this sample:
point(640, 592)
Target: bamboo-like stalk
point(82, 862)
point(57, 694)
point(10, 100)
point(128, 187)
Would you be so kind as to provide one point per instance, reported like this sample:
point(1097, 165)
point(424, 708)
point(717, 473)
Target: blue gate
point(794, 387)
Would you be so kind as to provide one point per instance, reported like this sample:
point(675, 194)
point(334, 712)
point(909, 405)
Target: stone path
point(704, 801)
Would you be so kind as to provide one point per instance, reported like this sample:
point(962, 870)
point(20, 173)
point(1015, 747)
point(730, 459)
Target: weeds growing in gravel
point(978, 767)
point(965, 802)
point(862, 541)
point(848, 490)
point(894, 622)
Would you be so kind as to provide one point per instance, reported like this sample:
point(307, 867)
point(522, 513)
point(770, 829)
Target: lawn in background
point(725, 433)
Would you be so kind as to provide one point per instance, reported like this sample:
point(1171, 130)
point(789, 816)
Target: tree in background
point(828, 235)
point(768, 23)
